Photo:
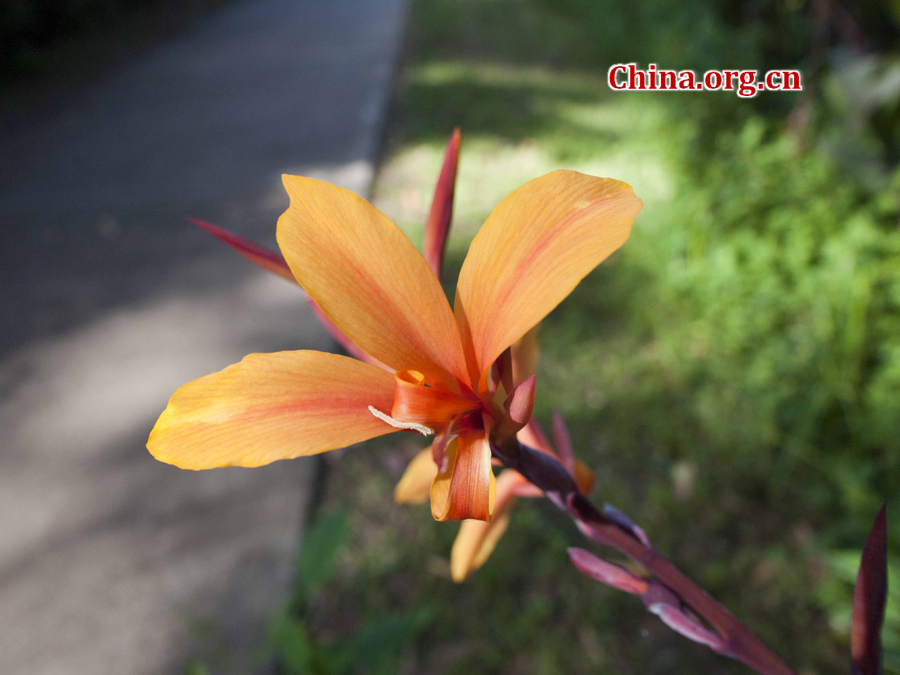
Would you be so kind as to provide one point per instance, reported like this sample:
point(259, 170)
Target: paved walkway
point(109, 561)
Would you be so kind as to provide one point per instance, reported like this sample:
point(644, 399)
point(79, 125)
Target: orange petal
point(431, 406)
point(477, 539)
point(466, 489)
point(437, 227)
point(369, 280)
point(584, 477)
point(415, 485)
point(534, 248)
point(272, 406)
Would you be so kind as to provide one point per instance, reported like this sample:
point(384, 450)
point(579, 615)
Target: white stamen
point(421, 428)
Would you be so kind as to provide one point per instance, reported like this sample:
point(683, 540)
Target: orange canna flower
point(449, 370)
point(477, 539)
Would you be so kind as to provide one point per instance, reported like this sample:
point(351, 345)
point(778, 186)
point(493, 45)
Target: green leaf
point(383, 638)
point(319, 549)
point(294, 646)
point(196, 668)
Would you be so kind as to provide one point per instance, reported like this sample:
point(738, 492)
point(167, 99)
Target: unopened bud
point(607, 573)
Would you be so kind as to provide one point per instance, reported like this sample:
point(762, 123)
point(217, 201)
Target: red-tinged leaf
point(869, 600)
point(563, 442)
point(607, 573)
point(681, 623)
point(259, 255)
point(519, 405)
point(625, 523)
point(502, 372)
point(437, 227)
point(533, 436)
point(273, 262)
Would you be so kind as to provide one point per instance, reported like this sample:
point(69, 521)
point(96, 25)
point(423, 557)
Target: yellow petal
point(466, 488)
point(272, 406)
point(415, 485)
point(369, 279)
point(477, 539)
point(534, 248)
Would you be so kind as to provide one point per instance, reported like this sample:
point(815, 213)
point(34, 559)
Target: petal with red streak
point(535, 247)
point(369, 280)
point(270, 407)
point(466, 488)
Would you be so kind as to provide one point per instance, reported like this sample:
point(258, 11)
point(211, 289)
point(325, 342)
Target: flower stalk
point(671, 590)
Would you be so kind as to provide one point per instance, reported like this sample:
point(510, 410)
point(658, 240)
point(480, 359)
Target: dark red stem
point(550, 476)
point(869, 599)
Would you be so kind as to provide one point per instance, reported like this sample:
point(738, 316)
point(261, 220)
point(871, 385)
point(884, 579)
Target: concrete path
point(109, 561)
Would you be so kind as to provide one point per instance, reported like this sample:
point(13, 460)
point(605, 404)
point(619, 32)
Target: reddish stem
point(548, 474)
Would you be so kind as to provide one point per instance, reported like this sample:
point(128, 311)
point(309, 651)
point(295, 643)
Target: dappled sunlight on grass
point(518, 122)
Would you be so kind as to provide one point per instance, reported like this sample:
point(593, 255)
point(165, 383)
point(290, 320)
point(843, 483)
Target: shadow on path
point(109, 561)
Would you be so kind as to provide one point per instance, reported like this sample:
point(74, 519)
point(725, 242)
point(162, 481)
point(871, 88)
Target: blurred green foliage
point(372, 646)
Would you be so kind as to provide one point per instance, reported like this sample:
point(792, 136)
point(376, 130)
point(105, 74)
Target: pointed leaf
point(275, 263)
point(607, 573)
point(563, 442)
point(437, 227)
point(259, 255)
point(869, 600)
point(680, 622)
